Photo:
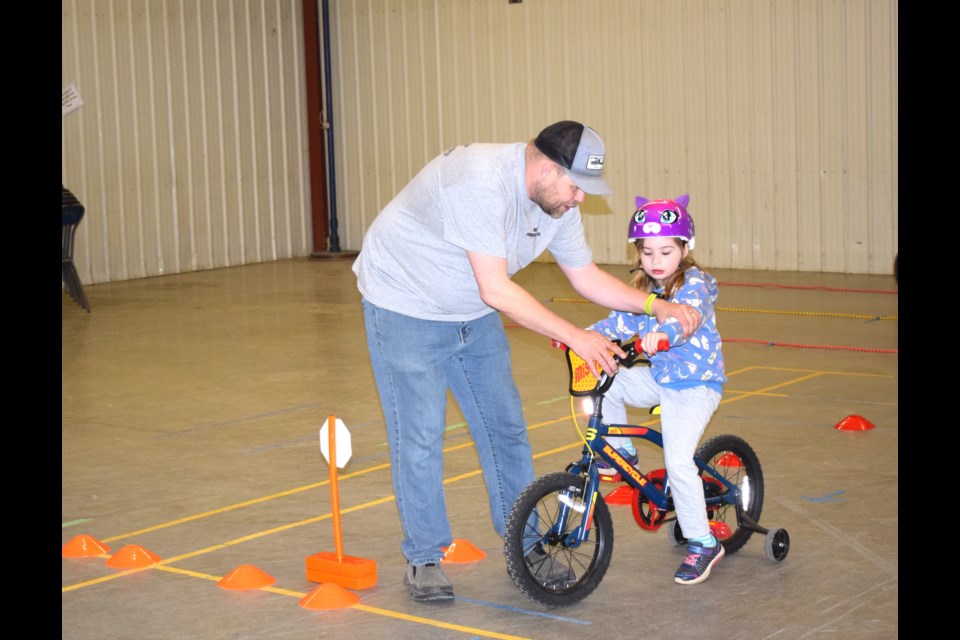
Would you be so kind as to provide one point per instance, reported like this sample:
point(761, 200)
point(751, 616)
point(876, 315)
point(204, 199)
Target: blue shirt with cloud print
point(689, 362)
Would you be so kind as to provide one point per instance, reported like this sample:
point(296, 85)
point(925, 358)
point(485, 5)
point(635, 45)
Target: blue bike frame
point(597, 446)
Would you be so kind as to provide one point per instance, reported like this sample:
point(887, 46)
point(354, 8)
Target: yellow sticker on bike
point(582, 380)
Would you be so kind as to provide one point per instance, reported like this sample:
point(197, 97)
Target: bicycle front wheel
point(733, 459)
point(542, 558)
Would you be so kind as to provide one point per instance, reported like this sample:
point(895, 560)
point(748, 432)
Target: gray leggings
point(684, 414)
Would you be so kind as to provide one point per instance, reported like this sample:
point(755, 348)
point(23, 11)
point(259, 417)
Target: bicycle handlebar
point(634, 350)
point(582, 380)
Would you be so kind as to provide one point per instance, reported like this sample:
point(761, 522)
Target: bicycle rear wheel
point(733, 459)
point(541, 560)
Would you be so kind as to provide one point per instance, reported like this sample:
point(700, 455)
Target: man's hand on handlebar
point(597, 351)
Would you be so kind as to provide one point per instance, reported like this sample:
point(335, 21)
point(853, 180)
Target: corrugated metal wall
point(778, 117)
point(190, 151)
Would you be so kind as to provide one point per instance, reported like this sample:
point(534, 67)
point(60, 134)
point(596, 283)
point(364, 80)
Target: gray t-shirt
point(469, 198)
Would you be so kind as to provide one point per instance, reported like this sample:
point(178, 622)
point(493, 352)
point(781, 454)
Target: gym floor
point(191, 465)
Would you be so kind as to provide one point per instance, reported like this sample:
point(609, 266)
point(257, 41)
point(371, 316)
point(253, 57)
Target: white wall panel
point(785, 143)
point(715, 241)
point(881, 128)
point(809, 138)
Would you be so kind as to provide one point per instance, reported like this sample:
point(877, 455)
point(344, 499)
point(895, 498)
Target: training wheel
point(776, 545)
point(675, 534)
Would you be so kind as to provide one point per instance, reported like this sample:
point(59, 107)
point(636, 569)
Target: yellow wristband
point(648, 305)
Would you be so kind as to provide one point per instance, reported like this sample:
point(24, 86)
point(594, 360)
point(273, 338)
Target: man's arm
point(497, 290)
point(598, 286)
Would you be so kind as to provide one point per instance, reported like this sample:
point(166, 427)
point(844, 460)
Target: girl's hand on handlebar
point(597, 351)
point(654, 342)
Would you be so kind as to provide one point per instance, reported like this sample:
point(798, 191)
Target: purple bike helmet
point(662, 219)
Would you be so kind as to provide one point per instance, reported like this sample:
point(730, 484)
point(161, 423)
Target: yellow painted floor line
point(384, 466)
point(483, 633)
point(164, 564)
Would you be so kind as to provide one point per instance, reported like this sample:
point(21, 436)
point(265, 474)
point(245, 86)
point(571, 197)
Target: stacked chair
point(72, 214)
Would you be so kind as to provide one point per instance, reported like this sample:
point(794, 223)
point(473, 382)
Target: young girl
point(686, 380)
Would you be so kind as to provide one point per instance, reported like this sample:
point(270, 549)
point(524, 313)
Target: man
point(434, 271)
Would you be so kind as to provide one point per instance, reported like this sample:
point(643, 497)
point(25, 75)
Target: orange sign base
point(348, 571)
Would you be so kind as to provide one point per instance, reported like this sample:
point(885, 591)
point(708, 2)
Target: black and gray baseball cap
point(579, 150)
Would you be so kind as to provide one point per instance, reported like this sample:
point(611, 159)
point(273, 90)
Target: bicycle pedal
point(624, 494)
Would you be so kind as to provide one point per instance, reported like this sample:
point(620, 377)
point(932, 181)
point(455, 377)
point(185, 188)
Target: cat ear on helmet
point(682, 200)
point(642, 201)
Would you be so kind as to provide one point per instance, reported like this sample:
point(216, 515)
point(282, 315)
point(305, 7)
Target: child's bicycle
point(559, 536)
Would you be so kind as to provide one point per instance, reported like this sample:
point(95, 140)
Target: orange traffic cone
point(246, 576)
point(84, 546)
point(462, 551)
point(329, 596)
point(854, 423)
point(132, 557)
point(730, 460)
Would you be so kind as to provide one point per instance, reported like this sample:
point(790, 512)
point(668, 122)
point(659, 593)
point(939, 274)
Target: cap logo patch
point(595, 162)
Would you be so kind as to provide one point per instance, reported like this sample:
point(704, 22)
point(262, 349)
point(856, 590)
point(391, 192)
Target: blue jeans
point(415, 362)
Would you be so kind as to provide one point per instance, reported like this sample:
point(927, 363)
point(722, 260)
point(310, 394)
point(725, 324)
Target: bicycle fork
point(581, 502)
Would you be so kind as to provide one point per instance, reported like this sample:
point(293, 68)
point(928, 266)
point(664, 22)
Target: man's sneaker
point(604, 468)
point(700, 560)
point(548, 570)
point(428, 583)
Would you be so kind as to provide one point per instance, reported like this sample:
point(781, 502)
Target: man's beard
point(553, 209)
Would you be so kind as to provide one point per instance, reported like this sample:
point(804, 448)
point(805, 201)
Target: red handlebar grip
point(663, 345)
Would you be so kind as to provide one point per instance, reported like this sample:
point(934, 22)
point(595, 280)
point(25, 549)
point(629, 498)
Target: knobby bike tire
point(553, 574)
point(736, 461)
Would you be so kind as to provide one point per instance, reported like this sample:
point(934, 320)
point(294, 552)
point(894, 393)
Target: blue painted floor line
point(523, 611)
point(830, 497)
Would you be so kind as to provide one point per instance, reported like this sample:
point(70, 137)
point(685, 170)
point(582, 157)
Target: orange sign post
point(326, 567)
